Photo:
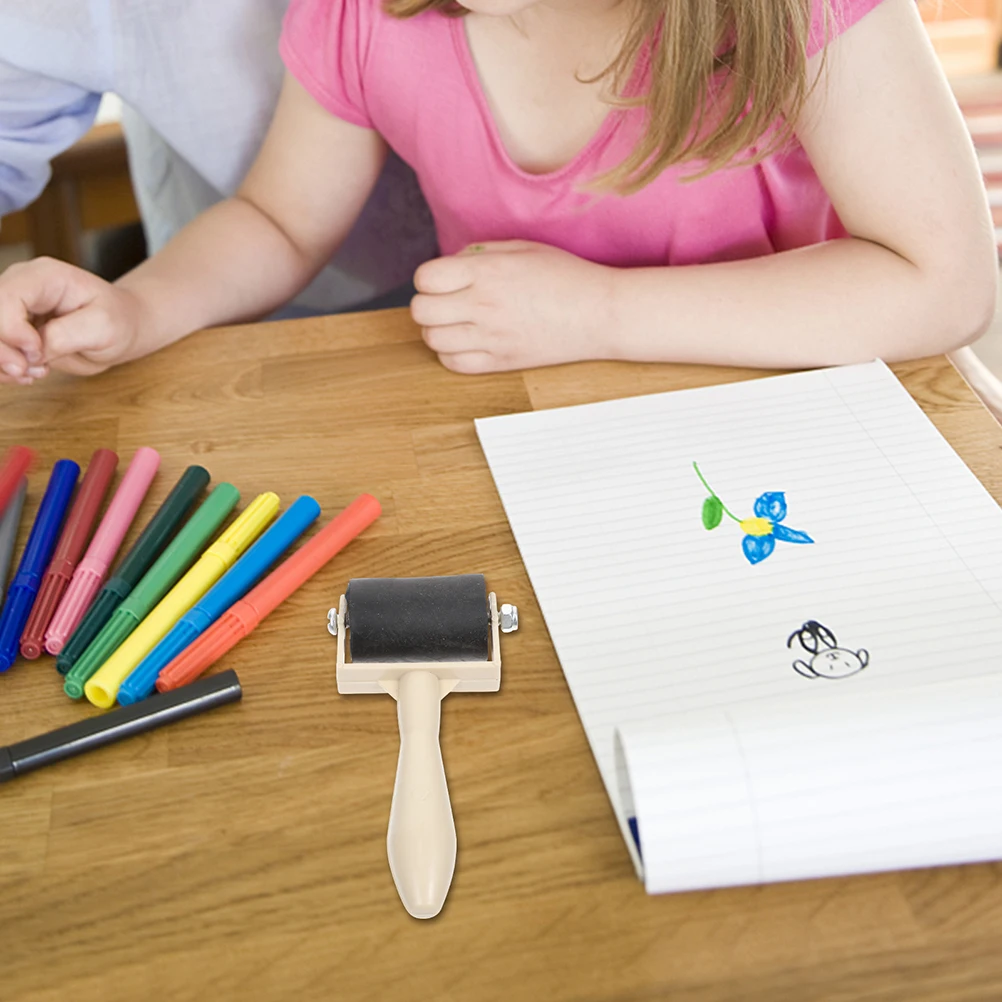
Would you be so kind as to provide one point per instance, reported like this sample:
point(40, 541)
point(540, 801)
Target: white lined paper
point(768, 790)
point(652, 615)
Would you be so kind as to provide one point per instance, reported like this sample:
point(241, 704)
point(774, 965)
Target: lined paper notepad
point(834, 707)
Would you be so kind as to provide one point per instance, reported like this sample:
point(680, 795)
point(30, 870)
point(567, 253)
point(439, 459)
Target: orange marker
point(243, 616)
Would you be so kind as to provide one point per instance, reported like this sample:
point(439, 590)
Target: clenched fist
point(56, 316)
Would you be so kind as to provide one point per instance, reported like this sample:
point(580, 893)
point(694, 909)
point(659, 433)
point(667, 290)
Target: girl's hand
point(513, 305)
point(56, 316)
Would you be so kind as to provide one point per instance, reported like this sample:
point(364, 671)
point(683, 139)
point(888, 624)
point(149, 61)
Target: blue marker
point(230, 588)
point(35, 559)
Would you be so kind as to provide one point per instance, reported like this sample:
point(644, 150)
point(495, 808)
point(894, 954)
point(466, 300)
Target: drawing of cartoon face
point(828, 660)
point(836, 663)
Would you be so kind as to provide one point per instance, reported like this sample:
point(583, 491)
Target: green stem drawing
point(714, 494)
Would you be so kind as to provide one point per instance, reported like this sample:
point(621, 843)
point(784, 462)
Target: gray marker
point(9, 525)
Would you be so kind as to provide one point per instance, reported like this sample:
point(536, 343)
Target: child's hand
point(53, 315)
point(513, 305)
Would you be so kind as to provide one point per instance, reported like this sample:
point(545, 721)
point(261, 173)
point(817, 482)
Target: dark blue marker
point(35, 559)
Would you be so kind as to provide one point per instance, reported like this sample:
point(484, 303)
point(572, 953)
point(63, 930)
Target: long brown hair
point(723, 73)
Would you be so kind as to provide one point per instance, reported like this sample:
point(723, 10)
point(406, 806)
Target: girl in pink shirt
point(760, 182)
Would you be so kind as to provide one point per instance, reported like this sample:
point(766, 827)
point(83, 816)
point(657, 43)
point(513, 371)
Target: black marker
point(126, 721)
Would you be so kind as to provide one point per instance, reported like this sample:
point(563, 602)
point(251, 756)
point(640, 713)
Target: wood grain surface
point(241, 854)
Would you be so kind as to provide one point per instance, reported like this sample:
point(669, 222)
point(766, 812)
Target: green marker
point(137, 562)
point(159, 579)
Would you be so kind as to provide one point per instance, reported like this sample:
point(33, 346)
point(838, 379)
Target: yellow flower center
point(757, 526)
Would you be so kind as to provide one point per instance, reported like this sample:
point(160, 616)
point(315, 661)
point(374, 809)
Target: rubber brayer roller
point(419, 639)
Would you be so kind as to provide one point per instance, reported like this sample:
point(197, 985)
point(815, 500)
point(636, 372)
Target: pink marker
point(93, 569)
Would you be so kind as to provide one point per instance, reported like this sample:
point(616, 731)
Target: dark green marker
point(137, 562)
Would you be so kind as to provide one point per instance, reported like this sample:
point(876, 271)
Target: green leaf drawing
point(713, 512)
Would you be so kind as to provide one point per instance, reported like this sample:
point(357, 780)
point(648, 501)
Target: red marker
point(244, 616)
point(71, 545)
point(15, 465)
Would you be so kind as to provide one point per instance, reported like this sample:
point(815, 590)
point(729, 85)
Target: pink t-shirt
point(415, 82)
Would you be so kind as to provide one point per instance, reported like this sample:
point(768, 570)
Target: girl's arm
point(241, 259)
point(916, 277)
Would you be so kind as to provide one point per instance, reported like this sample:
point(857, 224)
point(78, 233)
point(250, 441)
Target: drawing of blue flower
point(761, 531)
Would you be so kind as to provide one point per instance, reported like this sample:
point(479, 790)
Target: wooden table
point(241, 854)
point(91, 189)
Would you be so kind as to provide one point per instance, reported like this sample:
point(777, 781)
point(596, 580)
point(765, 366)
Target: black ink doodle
point(828, 660)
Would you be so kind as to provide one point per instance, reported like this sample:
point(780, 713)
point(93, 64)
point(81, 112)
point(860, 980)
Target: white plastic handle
point(421, 839)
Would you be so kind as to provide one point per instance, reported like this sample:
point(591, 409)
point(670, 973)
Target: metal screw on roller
point(509, 618)
point(332, 622)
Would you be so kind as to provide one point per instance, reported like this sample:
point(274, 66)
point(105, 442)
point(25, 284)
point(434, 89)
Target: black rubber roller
point(418, 619)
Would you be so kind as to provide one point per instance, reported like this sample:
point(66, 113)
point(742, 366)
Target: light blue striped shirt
point(200, 79)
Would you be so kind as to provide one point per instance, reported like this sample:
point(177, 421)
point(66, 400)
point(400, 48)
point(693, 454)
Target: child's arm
point(916, 278)
point(241, 259)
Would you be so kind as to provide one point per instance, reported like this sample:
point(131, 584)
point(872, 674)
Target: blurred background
point(88, 214)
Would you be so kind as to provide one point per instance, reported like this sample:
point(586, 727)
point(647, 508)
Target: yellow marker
point(102, 688)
